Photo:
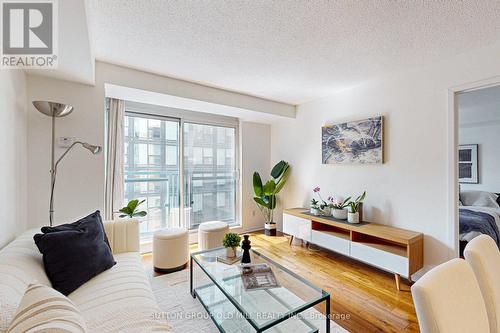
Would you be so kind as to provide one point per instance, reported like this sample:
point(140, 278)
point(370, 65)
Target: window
point(210, 179)
point(153, 170)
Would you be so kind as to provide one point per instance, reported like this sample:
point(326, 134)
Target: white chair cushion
point(483, 256)
point(43, 309)
point(448, 300)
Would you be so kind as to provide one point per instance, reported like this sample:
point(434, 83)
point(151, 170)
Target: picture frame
point(354, 142)
point(468, 169)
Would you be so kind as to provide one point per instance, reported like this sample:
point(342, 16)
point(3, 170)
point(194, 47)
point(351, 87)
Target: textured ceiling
point(289, 51)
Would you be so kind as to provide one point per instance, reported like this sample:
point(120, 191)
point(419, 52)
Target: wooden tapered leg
point(398, 280)
point(291, 240)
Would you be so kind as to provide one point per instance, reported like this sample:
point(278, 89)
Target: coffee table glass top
point(261, 308)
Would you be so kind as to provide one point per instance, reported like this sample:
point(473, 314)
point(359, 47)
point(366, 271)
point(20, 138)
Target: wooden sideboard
point(392, 249)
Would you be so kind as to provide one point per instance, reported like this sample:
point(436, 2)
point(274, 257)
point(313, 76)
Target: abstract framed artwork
point(467, 164)
point(354, 142)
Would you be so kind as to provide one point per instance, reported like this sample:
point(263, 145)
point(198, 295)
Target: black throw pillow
point(96, 216)
point(74, 254)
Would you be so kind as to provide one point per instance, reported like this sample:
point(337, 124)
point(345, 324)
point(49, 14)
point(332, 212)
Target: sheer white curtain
point(114, 158)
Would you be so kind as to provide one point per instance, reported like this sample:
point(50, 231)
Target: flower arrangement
point(338, 204)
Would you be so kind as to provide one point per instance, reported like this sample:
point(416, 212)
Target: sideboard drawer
point(297, 227)
point(331, 242)
point(383, 259)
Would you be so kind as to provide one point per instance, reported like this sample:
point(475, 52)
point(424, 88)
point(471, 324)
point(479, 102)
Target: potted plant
point(131, 210)
point(338, 208)
point(231, 241)
point(314, 207)
point(353, 215)
point(265, 194)
point(322, 207)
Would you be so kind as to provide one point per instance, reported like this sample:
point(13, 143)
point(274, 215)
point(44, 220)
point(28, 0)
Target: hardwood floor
point(364, 299)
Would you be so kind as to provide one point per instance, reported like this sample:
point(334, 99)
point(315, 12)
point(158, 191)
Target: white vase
point(315, 211)
point(340, 214)
point(353, 217)
point(230, 252)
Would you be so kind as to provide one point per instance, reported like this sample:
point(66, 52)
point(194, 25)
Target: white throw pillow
point(43, 309)
point(479, 198)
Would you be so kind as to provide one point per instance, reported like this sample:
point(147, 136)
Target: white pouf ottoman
point(170, 250)
point(210, 234)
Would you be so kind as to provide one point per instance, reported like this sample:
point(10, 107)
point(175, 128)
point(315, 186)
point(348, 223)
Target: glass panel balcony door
point(209, 174)
point(151, 169)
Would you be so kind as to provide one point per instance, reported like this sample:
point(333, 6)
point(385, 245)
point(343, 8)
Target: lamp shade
point(93, 149)
point(53, 109)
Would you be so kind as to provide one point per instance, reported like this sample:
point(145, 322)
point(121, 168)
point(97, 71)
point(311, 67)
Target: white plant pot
point(270, 229)
point(353, 217)
point(327, 211)
point(230, 252)
point(340, 214)
point(315, 211)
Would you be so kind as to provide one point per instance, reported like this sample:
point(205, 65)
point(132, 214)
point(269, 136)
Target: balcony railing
point(208, 196)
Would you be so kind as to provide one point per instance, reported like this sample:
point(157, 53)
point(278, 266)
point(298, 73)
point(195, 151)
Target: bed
point(479, 213)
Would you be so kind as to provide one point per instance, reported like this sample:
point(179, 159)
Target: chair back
point(483, 256)
point(448, 300)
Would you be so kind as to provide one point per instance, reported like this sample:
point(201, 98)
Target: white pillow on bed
point(479, 198)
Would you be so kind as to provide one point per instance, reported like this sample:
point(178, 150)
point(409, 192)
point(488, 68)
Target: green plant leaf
point(257, 184)
point(132, 204)
point(272, 202)
point(261, 202)
point(140, 214)
point(278, 169)
point(269, 187)
point(282, 180)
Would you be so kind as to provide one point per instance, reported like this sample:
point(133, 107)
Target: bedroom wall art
point(467, 164)
point(354, 142)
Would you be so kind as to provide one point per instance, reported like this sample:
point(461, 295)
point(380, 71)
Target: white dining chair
point(483, 256)
point(448, 300)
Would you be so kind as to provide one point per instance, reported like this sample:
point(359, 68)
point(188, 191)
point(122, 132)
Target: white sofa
point(117, 300)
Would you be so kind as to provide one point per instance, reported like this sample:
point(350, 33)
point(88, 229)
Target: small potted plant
point(338, 208)
point(322, 207)
point(314, 207)
point(231, 241)
point(353, 215)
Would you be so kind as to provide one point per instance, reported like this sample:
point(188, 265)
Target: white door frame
point(453, 195)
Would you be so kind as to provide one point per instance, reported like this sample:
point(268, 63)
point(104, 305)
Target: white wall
point(487, 136)
point(410, 190)
point(13, 135)
point(256, 153)
point(80, 182)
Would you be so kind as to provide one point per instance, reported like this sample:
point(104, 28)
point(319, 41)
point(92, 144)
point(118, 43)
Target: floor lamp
point(58, 110)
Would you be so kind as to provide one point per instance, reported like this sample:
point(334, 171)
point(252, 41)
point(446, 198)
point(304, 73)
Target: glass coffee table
point(287, 308)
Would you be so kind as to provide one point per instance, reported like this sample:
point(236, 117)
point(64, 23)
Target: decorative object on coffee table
point(57, 110)
point(231, 241)
point(245, 245)
point(265, 194)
